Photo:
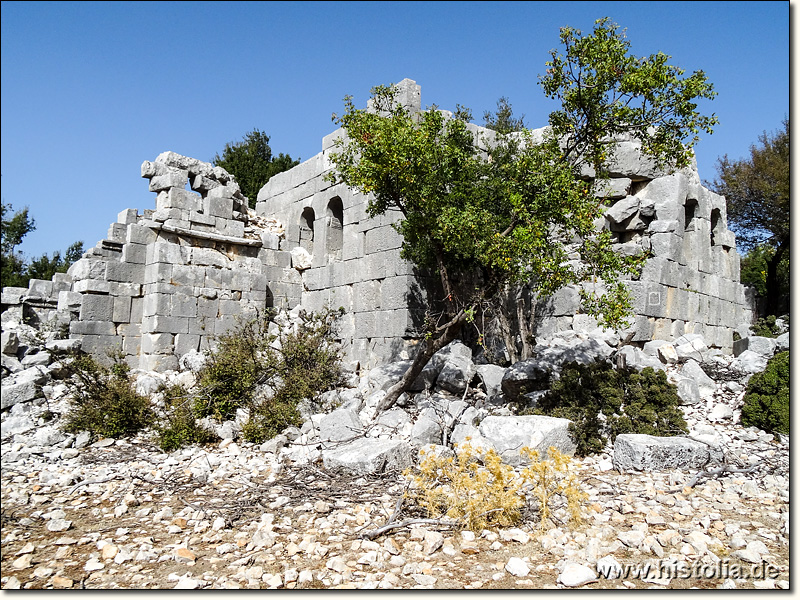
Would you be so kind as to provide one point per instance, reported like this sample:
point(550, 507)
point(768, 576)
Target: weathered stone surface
point(366, 456)
point(9, 343)
point(575, 575)
point(750, 362)
point(341, 424)
point(760, 345)
point(12, 394)
point(492, 378)
point(509, 435)
point(705, 385)
point(525, 376)
point(649, 453)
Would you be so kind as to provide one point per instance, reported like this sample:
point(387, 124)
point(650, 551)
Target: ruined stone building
point(167, 280)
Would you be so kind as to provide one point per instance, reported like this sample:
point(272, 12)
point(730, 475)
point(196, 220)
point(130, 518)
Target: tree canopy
point(252, 164)
point(503, 119)
point(484, 216)
point(16, 270)
point(757, 191)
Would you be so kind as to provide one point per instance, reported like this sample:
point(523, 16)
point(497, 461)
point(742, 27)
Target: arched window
point(690, 214)
point(333, 229)
point(716, 225)
point(307, 229)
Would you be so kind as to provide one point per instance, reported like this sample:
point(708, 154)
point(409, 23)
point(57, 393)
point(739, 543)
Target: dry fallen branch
point(714, 473)
point(371, 535)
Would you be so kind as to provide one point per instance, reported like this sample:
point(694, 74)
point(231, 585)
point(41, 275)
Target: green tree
point(503, 119)
point(16, 271)
point(46, 266)
point(252, 164)
point(753, 272)
point(757, 192)
point(13, 230)
point(524, 215)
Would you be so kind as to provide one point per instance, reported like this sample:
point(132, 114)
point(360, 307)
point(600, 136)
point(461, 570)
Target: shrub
point(766, 327)
point(476, 489)
point(230, 375)
point(766, 401)
point(270, 373)
point(307, 363)
point(603, 402)
point(104, 401)
point(179, 426)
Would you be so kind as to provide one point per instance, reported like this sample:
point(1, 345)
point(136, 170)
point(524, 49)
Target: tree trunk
point(773, 291)
point(447, 335)
point(522, 322)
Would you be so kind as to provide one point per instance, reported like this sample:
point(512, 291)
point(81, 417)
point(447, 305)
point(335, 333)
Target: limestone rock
point(365, 456)
point(508, 435)
point(633, 451)
point(574, 575)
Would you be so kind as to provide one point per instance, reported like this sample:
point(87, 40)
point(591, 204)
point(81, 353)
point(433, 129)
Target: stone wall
point(690, 285)
point(167, 281)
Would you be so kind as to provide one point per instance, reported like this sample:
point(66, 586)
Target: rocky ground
point(122, 514)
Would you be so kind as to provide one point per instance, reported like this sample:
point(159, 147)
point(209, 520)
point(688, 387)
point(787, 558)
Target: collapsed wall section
point(168, 281)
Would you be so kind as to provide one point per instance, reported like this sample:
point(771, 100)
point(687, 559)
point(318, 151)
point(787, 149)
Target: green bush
point(308, 363)
point(766, 401)
point(603, 402)
point(103, 399)
point(179, 426)
point(270, 373)
point(229, 377)
point(766, 327)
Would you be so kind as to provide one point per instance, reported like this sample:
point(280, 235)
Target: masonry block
point(98, 328)
point(184, 306)
point(185, 343)
point(218, 207)
point(381, 239)
point(156, 304)
point(158, 362)
point(157, 273)
point(69, 301)
point(157, 343)
point(139, 234)
point(394, 293)
point(101, 345)
point(366, 296)
point(165, 324)
point(122, 309)
point(342, 296)
point(188, 275)
point(134, 253)
point(667, 245)
point(365, 325)
point(96, 307)
point(173, 178)
point(124, 272)
point(208, 257)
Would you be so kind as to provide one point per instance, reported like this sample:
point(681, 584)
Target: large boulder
point(525, 376)
point(755, 343)
point(492, 378)
point(750, 362)
point(366, 456)
point(508, 435)
point(16, 393)
point(706, 386)
point(342, 424)
point(640, 452)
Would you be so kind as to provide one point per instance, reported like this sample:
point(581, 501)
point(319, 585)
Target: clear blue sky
point(90, 90)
